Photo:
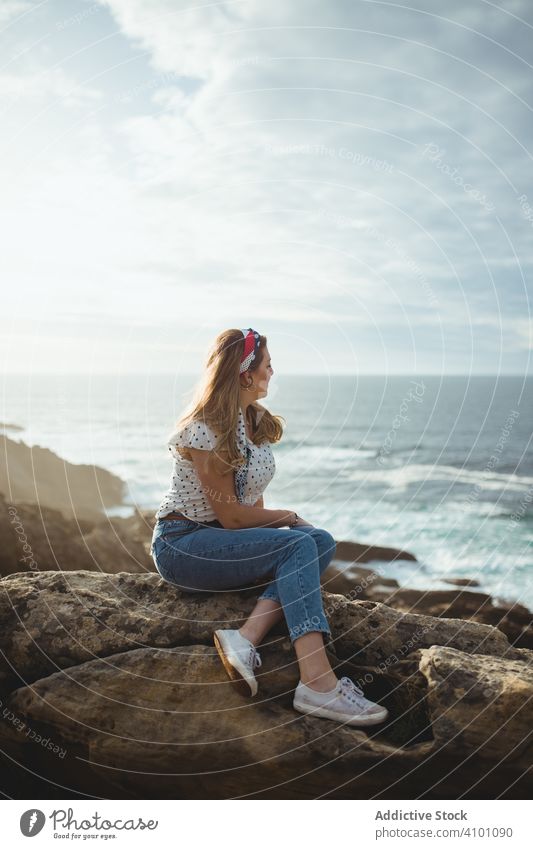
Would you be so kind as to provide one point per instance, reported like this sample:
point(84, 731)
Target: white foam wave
point(402, 477)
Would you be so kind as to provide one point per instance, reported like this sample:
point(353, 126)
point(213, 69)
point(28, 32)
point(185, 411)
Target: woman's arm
point(259, 502)
point(219, 489)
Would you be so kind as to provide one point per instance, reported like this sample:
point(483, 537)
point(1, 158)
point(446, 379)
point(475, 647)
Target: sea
point(441, 467)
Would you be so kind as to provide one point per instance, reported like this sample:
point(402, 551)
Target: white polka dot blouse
point(185, 494)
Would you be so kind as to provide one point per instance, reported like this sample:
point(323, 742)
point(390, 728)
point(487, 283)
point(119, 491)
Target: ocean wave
point(404, 476)
point(326, 456)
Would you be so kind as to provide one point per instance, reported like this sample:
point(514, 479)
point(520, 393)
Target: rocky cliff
point(111, 687)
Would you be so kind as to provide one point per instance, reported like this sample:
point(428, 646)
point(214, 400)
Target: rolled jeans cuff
point(271, 592)
point(308, 626)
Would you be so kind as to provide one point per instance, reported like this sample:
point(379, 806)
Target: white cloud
point(11, 9)
point(272, 156)
point(44, 83)
point(524, 330)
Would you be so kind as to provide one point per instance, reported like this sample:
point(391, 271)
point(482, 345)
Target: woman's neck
point(249, 420)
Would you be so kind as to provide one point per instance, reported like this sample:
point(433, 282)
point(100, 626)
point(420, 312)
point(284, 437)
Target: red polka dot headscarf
point(252, 342)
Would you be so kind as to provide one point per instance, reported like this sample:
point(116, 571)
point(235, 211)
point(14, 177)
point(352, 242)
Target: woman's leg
point(211, 559)
point(326, 546)
point(268, 610)
point(218, 559)
point(266, 613)
point(315, 668)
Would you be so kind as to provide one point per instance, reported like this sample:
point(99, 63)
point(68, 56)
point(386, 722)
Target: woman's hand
point(301, 521)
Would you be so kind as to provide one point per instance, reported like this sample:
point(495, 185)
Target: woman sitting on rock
point(214, 534)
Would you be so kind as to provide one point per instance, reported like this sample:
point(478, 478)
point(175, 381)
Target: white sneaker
point(346, 703)
point(240, 657)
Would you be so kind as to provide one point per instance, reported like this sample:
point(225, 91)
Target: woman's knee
point(322, 541)
point(325, 543)
point(301, 553)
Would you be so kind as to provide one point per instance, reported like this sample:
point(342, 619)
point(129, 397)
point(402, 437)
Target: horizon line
point(285, 374)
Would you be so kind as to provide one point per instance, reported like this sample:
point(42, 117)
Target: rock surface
point(111, 687)
point(35, 475)
point(35, 537)
point(515, 620)
point(358, 583)
point(358, 552)
point(484, 708)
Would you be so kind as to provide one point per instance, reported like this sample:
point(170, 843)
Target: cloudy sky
point(352, 178)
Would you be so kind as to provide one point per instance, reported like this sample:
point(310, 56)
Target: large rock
point(359, 552)
point(482, 705)
point(35, 475)
point(56, 620)
point(34, 537)
point(356, 582)
point(359, 583)
point(515, 620)
point(188, 727)
point(119, 692)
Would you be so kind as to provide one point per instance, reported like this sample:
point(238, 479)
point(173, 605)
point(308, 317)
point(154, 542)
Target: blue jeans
point(288, 562)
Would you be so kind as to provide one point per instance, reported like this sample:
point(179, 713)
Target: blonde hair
point(216, 399)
